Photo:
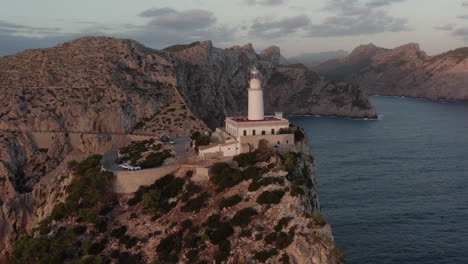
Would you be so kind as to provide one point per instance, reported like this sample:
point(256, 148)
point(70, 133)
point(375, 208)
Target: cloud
point(379, 3)
point(269, 28)
point(461, 33)
point(265, 2)
point(164, 27)
point(465, 4)
point(179, 20)
point(462, 17)
point(353, 17)
point(10, 28)
point(447, 27)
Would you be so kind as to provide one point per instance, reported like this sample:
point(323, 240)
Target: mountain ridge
point(403, 71)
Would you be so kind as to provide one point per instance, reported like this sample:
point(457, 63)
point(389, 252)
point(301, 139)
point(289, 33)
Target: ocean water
point(396, 189)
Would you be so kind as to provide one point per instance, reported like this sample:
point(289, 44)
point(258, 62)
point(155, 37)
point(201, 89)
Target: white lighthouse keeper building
point(242, 134)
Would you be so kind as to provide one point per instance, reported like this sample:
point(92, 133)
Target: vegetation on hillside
point(88, 194)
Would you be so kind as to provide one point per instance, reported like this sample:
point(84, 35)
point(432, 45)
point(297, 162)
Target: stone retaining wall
point(130, 181)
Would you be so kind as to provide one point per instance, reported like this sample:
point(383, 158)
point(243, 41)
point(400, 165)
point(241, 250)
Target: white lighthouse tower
point(256, 111)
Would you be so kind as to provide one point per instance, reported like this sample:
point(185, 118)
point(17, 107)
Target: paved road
point(180, 148)
point(79, 132)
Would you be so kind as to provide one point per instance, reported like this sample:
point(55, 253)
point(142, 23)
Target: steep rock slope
point(403, 71)
point(269, 215)
point(214, 83)
point(107, 85)
point(87, 85)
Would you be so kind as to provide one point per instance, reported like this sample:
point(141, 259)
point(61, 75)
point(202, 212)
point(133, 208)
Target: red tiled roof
point(245, 119)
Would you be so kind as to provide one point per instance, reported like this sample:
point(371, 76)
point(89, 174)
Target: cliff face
point(213, 82)
point(268, 215)
point(105, 85)
point(403, 71)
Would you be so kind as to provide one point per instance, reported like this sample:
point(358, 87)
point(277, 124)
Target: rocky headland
point(402, 71)
point(91, 90)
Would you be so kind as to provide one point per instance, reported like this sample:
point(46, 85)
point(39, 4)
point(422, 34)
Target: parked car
point(172, 142)
point(129, 167)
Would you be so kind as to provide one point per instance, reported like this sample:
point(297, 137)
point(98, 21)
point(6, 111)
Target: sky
point(297, 26)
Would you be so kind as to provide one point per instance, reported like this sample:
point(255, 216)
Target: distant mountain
point(402, 71)
point(313, 59)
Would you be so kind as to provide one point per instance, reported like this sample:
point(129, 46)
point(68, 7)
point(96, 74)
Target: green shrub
point(224, 176)
point(190, 189)
point(229, 201)
point(264, 255)
point(79, 230)
point(296, 191)
point(290, 160)
point(192, 256)
point(119, 232)
point(246, 159)
point(71, 164)
point(270, 197)
point(97, 248)
point(284, 240)
point(258, 236)
point(196, 203)
point(88, 214)
point(127, 258)
point(192, 241)
point(242, 218)
point(253, 186)
point(50, 250)
point(169, 248)
point(157, 147)
point(90, 162)
point(251, 173)
point(155, 159)
point(224, 251)
point(220, 233)
point(195, 135)
point(156, 196)
point(271, 238)
point(246, 233)
point(213, 221)
point(186, 224)
point(282, 223)
point(203, 141)
point(319, 220)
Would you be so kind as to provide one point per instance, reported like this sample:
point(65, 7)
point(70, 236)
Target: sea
point(395, 189)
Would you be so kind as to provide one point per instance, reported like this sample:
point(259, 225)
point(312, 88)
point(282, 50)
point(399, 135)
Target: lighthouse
point(244, 133)
point(256, 111)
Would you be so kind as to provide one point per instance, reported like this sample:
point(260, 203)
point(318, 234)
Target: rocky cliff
point(213, 82)
point(115, 86)
point(266, 213)
point(403, 71)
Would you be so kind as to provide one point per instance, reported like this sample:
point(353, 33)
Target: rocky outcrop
point(213, 82)
point(114, 86)
point(403, 71)
point(177, 220)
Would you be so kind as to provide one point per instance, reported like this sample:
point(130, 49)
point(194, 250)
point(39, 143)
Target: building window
point(263, 132)
point(287, 141)
point(245, 132)
point(253, 132)
point(278, 142)
point(272, 131)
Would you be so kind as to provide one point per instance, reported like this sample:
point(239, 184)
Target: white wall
point(256, 111)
